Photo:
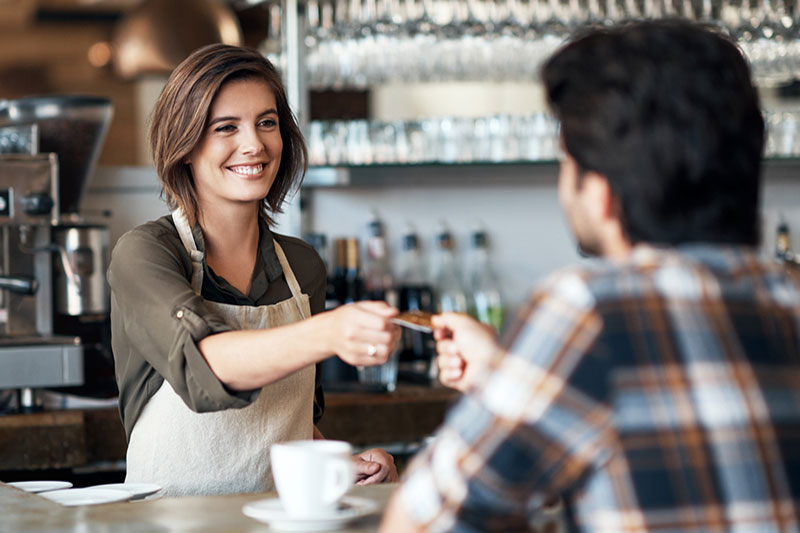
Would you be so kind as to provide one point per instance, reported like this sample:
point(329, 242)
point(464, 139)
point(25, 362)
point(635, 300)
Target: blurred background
point(432, 181)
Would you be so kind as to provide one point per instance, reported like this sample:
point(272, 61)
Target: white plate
point(87, 496)
point(271, 512)
point(41, 486)
point(136, 490)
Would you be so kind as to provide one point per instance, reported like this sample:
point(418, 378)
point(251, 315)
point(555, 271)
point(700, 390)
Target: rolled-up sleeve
point(157, 321)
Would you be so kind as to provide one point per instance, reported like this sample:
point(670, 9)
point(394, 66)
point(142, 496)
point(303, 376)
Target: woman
point(212, 328)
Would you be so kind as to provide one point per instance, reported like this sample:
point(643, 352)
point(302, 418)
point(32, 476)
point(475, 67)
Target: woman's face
point(238, 155)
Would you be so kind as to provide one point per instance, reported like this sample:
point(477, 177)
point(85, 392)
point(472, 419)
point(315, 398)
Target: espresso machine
point(32, 356)
point(53, 261)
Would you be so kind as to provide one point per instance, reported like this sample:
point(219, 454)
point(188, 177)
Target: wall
point(516, 204)
point(51, 58)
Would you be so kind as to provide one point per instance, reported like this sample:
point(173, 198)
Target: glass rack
point(493, 139)
point(360, 43)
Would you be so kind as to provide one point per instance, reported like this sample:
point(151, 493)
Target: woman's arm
point(264, 356)
point(157, 320)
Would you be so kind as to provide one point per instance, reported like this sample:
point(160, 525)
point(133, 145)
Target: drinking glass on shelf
point(316, 144)
point(497, 138)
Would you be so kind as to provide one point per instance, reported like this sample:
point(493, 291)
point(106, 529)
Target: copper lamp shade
point(158, 34)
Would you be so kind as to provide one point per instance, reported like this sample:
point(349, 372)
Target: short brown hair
point(182, 110)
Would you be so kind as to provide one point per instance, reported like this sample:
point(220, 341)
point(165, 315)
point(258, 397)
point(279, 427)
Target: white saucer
point(271, 512)
point(87, 496)
point(41, 486)
point(136, 490)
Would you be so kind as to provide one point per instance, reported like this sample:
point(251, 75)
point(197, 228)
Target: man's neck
point(618, 250)
point(614, 244)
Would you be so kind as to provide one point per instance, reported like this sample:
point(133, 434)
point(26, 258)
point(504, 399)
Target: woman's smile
point(247, 170)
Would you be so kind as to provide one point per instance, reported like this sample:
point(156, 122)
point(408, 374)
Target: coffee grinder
point(74, 127)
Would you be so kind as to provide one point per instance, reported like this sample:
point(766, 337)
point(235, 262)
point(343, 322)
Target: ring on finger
point(372, 350)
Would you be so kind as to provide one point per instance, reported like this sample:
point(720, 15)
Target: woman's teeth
point(249, 170)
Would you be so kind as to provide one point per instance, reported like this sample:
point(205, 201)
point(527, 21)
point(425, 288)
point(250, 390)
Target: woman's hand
point(374, 466)
point(362, 333)
point(464, 347)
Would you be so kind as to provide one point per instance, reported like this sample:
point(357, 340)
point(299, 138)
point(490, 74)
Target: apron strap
point(185, 233)
point(291, 280)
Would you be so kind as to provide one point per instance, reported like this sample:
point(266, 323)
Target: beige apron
point(226, 451)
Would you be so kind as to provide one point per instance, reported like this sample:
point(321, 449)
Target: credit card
point(417, 320)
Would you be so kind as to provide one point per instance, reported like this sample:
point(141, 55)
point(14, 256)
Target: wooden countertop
point(73, 438)
point(29, 512)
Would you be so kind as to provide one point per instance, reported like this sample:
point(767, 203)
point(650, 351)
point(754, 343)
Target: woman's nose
point(251, 142)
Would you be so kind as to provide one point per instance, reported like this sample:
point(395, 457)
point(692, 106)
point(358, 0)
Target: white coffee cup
point(312, 475)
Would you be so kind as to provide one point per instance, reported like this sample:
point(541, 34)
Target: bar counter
point(22, 511)
point(81, 437)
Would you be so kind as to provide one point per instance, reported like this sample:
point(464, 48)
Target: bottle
point(347, 283)
point(486, 303)
point(450, 294)
point(319, 241)
point(415, 294)
point(415, 290)
point(345, 287)
point(783, 247)
point(378, 278)
point(379, 285)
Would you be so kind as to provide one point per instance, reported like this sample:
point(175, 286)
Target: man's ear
point(600, 198)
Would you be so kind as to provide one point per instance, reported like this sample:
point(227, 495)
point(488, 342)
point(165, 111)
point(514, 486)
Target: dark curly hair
point(667, 111)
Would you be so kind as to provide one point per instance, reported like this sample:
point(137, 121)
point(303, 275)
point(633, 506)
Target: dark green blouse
point(157, 319)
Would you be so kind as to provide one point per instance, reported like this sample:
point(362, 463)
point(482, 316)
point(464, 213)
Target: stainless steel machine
point(54, 298)
point(31, 355)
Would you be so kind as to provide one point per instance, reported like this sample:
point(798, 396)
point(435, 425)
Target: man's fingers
point(452, 321)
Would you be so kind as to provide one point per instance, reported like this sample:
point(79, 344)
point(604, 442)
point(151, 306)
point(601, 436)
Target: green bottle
point(486, 302)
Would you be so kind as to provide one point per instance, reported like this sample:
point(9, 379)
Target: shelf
point(421, 174)
point(413, 174)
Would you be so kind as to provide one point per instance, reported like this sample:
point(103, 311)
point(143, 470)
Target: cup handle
point(338, 480)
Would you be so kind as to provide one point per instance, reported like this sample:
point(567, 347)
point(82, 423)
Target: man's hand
point(464, 347)
point(374, 466)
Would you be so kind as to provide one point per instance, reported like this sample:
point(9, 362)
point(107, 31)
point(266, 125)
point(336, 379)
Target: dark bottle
point(415, 294)
point(346, 280)
point(345, 288)
point(415, 290)
point(319, 241)
point(783, 247)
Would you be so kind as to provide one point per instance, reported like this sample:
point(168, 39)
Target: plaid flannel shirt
point(662, 394)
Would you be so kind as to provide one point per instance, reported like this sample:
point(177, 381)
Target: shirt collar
point(721, 255)
point(268, 266)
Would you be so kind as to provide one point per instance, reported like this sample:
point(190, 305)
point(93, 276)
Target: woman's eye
point(225, 128)
point(268, 123)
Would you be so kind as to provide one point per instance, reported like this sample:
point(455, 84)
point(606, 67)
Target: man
point(657, 387)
